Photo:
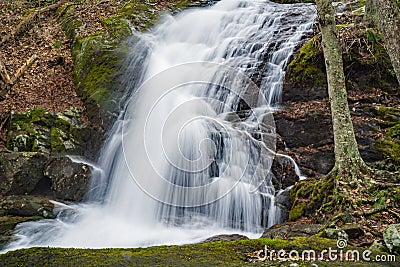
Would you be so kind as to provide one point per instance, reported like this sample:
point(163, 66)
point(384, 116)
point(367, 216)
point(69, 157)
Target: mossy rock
point(307, 68)
point(389, 144)
point(39, 130)
point(308, 195)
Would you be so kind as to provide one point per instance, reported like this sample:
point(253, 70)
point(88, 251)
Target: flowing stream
point(191, 153)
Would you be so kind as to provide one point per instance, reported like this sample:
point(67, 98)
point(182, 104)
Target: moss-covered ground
point(235, 253)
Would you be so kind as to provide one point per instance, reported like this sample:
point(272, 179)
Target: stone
point(289, 230)
point(391, 236)
point(26, 206)
point(334, 232)
point(69, 180)
point(284, 173)
point(20, 172)
point(39, 130)
point(226, 238)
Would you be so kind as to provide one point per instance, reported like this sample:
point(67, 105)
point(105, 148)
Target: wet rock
point(288, 230)
point(26, 206)
point(226, 238)
point(69, 180)
point(20, 172)
point(282, 200)
point(391, 236)
point(284, 173)
point(8, 223)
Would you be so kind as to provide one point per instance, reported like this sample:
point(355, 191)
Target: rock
point(353, 230)
point(391, 236)
point(8, 223)
point(282, 200)
point(38, 130)
point(288, 230)
point(284, 173)
point(312, 128)
point(20, 172)
point(226, 238)
point(334, 232)
point(7, 226)
point(378, 245)
point(69, 180)
point(26, 206)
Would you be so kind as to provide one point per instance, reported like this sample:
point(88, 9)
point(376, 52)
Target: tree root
point(351, 190)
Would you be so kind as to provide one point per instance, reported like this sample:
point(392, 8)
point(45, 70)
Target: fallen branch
point(10, 81)
point(395, 214)
point(22, 69)
point(4, 121)
point(4, 74)
point(23, 24)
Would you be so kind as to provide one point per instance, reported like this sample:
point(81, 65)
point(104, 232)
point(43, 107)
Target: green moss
point(298, 211)
point(306, 67)
point(235, 253)
point(41, 131)
point(68, 22)
point(389, 144)
point(309, 195)
point(390, 149)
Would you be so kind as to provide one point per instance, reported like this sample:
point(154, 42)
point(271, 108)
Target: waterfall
point(190, 155)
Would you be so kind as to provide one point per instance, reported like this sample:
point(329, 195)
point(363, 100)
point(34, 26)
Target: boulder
point(288, 230)
point(26, 206)
point(69, 180)
point(226, 238)
point(334, 232)
point(391, 236)
point(20, 172)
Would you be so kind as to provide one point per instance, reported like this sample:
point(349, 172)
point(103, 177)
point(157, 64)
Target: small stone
point(333, 232)
point(391, 236)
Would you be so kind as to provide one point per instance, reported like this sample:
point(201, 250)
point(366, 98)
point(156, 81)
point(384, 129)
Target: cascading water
point(190, 155)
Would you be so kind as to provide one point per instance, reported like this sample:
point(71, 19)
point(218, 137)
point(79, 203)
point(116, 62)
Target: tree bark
point(386, 13)
point(347, 156)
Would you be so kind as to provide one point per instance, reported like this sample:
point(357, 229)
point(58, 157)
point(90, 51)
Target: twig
point(3, 73)
point(22, 69)
point(395, 214)
point(10, 81)
point(4, 121)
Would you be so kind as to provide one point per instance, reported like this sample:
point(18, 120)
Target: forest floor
point(49, 82)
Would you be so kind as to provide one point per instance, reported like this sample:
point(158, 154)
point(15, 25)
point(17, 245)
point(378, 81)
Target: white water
point(181, 165)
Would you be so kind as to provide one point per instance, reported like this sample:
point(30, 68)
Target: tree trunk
point(347, 156)
point(386, 13)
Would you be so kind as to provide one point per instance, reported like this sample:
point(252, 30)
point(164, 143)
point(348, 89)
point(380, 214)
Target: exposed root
point(351, 190)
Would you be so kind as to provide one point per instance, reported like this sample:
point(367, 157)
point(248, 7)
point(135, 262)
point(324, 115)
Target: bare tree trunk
point(347, 156)
point(386, 13)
